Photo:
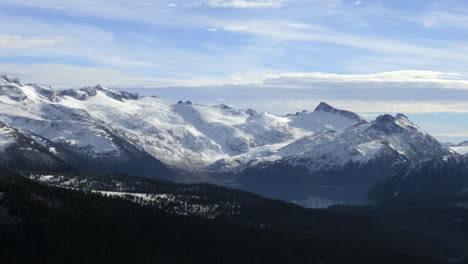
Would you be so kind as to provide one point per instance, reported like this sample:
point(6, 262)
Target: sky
point(280, 56)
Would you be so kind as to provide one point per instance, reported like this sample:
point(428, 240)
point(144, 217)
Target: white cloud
point(428, 79)
point(69, 75)
point(66, 76)
point(291, 28)
point(291, 106)
point(267, 39)
point(88, 43)
point(19, 42)
point(284, 30)
point(403, 91)
point(439, 19)
point(245, 3)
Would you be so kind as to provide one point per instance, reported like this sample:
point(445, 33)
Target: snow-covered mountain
point(98, 128)
point(20, 152)
point(182, 135)
point(343, 164)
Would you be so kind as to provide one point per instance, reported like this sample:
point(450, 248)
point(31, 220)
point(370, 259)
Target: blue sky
point(281, 56)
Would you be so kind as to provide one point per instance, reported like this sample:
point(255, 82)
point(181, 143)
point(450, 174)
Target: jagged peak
point(100, 87)
point(90, 91)
point(262, 115)
point(401, 116)
point(188, 102)
point(298, 113)
point(385, 118)
point(17, 91)
point(387, 124)
point(79, 93)
point(94, 89)
point(324, 107)
point(223, 106)
point(394, 124)
point(10, 79)
point(11, 88)
point(251, 112)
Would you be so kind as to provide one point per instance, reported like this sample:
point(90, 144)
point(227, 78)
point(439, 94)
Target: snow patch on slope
point(6, 137)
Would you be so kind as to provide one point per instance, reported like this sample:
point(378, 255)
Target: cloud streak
point(18, 42)
point(286, 31)
point(438, 19)
point(245, 3)
point(403, 91)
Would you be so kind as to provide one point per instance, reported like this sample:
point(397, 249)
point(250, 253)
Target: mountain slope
point(343, 165)
point(98, 129)
point(20, 151)
point(182, 135)
point(438, 180)
point(58, 122)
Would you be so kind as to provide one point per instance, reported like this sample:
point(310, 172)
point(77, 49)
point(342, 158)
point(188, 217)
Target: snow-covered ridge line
point(100, 123)
point(328, 108)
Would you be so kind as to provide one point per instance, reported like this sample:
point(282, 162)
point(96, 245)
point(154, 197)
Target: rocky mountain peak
point(86, 92)
point(401, 116)
point(324, 107)
point(387, 124)
point(251, 112)
point(10, 79)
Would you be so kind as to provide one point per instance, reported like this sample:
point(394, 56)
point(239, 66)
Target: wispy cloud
point(438, 19)
point(358, 2)
point(426, 79)
point(19, 42)
point(245, 3)
point(403, 91)
point(69, 76)
point(284, 30)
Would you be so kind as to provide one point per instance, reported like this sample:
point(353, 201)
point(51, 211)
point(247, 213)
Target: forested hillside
point(42, 224)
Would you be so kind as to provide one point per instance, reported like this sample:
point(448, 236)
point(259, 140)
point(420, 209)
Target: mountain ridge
point(116, 130)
